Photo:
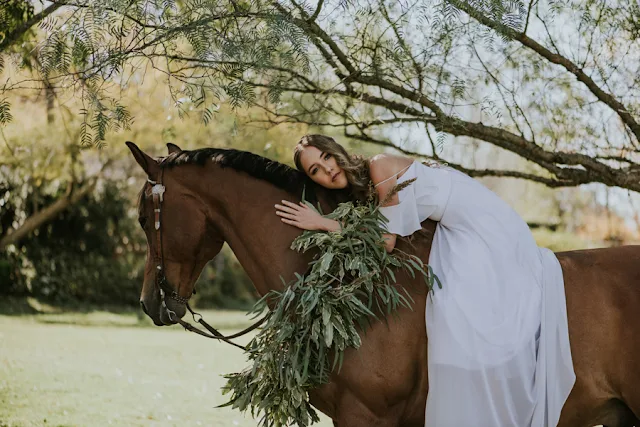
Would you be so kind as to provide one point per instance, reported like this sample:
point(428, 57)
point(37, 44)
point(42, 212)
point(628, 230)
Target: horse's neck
point(251, 228)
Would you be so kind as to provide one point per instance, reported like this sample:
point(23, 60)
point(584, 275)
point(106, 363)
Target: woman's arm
point(381, 167)
point(302, 216)
point(307, 219)
point(330, 225)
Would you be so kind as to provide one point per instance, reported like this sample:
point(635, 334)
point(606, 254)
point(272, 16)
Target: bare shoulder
point(382, 166)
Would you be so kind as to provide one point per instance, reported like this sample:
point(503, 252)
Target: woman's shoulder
point(382, 166)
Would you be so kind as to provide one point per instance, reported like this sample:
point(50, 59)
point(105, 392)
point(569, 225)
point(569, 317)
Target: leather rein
point(167, 291)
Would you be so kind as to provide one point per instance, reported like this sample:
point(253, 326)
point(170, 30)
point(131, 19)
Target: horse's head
point(180, 239)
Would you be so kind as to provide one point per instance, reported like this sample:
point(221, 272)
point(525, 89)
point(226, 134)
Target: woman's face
point(322, 168)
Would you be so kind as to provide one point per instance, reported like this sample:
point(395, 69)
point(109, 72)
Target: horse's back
point(628, 255)
point(602, 284)
point(603, 298)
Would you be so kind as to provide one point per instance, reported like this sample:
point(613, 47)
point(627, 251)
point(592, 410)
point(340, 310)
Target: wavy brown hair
point(356, 167)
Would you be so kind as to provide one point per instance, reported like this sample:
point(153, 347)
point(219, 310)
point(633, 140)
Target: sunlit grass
point(69, 369)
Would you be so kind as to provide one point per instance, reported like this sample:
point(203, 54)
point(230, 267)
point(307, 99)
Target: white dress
point(498, 342)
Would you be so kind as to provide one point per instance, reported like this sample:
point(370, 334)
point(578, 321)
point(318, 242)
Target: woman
point(498, 345)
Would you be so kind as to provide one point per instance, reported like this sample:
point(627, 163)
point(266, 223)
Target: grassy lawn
point(97, 368)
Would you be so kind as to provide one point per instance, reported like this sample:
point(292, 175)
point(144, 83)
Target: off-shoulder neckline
point(401, 178)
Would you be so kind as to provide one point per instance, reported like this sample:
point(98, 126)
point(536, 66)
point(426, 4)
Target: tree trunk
point(49, 213)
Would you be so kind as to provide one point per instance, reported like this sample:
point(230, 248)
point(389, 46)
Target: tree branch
point(478, 173)
point(576, 168)
point(49, 213)
point(71, 197)
point(14, 35)
point(555, 58)
point(317, 11)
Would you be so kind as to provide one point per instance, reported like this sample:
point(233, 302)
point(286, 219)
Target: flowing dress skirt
point(498, 345)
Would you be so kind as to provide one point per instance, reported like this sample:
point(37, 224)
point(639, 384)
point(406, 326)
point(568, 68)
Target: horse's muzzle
point(152, 308)
point(171, 311)
point(156, 319)
point(162, 313)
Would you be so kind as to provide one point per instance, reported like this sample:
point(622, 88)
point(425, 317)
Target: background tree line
point(542, 91)
point(73, 207)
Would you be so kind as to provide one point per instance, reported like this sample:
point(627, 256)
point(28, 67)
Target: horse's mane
point(280, 175)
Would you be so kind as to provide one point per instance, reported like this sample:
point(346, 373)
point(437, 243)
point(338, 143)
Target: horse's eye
point(142, 220)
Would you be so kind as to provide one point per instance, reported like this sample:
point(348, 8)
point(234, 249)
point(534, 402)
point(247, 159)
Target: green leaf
point(326, 314)
point(5, 112)
point(328, 334)
point(325, 262)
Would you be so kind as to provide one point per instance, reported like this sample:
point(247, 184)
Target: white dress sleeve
point(424, 198)
point(403, 218)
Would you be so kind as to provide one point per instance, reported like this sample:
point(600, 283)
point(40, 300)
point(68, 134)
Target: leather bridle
point(167, 291)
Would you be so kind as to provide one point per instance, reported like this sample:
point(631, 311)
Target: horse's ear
point(146, 162)
point(173, 148)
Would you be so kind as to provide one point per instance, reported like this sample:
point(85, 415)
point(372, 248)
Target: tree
point(554, 82)
point(17, 17)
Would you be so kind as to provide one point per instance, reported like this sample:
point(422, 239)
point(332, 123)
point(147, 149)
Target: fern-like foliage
point(103, 114)
point(5, 112)
point(96, 40)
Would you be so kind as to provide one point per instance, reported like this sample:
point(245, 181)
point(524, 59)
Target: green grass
point(99, 368)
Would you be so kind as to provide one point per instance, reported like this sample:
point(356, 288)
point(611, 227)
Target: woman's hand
point(301, 216)
point(389, 242)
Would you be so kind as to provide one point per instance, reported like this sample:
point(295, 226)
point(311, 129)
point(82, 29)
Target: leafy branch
point(317, 317)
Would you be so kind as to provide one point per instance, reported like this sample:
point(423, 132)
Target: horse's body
point(385, 382)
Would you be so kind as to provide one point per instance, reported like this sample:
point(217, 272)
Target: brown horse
point(214, 196)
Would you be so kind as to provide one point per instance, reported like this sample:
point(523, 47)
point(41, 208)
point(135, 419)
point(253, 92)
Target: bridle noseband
point(166, 291)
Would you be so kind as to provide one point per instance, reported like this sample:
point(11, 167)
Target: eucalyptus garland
point(315, 318)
